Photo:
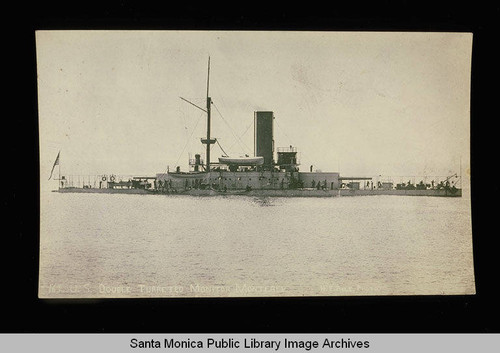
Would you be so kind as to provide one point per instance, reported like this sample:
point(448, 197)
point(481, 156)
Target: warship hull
point(269, 193)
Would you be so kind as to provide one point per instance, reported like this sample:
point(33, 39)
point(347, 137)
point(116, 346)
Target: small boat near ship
point(241, 161)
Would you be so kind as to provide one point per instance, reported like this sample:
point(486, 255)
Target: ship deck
point(273, 193)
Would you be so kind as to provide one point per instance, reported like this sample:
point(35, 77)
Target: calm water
point(98, 245)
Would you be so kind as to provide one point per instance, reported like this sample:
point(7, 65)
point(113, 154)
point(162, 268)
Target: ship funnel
point(263, 136)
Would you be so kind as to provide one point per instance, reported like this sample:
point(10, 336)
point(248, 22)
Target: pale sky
point(361, 103)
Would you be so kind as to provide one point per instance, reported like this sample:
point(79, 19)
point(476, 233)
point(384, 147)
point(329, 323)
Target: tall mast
point(208, 118)
point(208, 141)
point(208, 77)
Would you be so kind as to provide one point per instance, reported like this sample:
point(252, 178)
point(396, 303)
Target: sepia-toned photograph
point(254, 163)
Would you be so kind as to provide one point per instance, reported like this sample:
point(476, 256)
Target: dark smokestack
point(263, 136)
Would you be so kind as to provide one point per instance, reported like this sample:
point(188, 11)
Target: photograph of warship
point(269, 172)
point(220, 173)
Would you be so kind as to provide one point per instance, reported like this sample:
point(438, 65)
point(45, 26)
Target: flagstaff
point(56, 162)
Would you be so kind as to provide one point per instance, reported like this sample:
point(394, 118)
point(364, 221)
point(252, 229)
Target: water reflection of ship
point(261, 174)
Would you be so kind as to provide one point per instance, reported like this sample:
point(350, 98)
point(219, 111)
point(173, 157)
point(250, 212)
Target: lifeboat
point(241, 160)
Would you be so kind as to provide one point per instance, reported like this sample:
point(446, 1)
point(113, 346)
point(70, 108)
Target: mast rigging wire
point(239, 140)
point(243, 134)
point(225, 153)
point(187, 142)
